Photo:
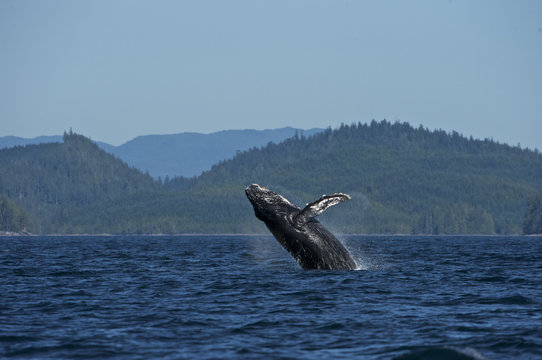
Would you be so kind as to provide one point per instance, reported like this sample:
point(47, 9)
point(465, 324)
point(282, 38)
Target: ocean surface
point(244, 297)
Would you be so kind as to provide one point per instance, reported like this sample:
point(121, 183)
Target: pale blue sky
point(113, 70)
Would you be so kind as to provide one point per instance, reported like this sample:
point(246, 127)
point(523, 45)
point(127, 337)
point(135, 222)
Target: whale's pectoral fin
point(319, 206)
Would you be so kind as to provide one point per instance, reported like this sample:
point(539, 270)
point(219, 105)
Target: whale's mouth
point(266, 203)
point(255, 188)
point(256, 192)
point(253, 191)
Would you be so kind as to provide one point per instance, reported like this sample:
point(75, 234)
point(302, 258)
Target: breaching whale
point(297, 230)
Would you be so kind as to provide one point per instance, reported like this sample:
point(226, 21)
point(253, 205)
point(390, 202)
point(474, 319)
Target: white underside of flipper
point(319, 206)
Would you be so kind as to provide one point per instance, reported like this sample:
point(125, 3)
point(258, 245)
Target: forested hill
point(401, 179)
point(184, 154)
point(53, 181)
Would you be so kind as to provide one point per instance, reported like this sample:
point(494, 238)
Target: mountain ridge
point(401, 179)
point(189, 154)
point(185, 154)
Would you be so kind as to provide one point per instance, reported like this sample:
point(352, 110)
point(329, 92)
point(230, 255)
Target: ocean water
point(243, 297)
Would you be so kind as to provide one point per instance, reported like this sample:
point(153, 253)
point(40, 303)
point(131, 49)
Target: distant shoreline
point(16, 233)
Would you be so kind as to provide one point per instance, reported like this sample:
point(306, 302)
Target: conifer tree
point(533, 216)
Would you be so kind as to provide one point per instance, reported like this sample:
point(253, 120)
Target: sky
point(116, 69)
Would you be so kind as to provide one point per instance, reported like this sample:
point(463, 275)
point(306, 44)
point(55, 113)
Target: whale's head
point(268, 206)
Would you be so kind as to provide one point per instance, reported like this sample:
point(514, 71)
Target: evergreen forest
point(401, 179)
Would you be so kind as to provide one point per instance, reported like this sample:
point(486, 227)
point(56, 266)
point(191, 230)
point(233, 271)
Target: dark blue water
point(244, 297)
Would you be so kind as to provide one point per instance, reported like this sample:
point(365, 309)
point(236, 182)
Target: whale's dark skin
point(299, 232)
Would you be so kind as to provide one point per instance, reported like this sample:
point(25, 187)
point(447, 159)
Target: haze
point(113, 70)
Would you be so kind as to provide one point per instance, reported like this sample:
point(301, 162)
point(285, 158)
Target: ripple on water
point(245, 297)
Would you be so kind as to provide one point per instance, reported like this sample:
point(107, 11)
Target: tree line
point(402, 180)
point(533, 216)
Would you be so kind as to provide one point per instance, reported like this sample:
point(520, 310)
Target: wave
point(443, 353)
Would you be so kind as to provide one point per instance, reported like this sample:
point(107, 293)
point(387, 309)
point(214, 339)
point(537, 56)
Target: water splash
point(363, 261)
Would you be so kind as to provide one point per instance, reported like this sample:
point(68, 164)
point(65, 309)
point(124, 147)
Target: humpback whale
point(297, 230)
